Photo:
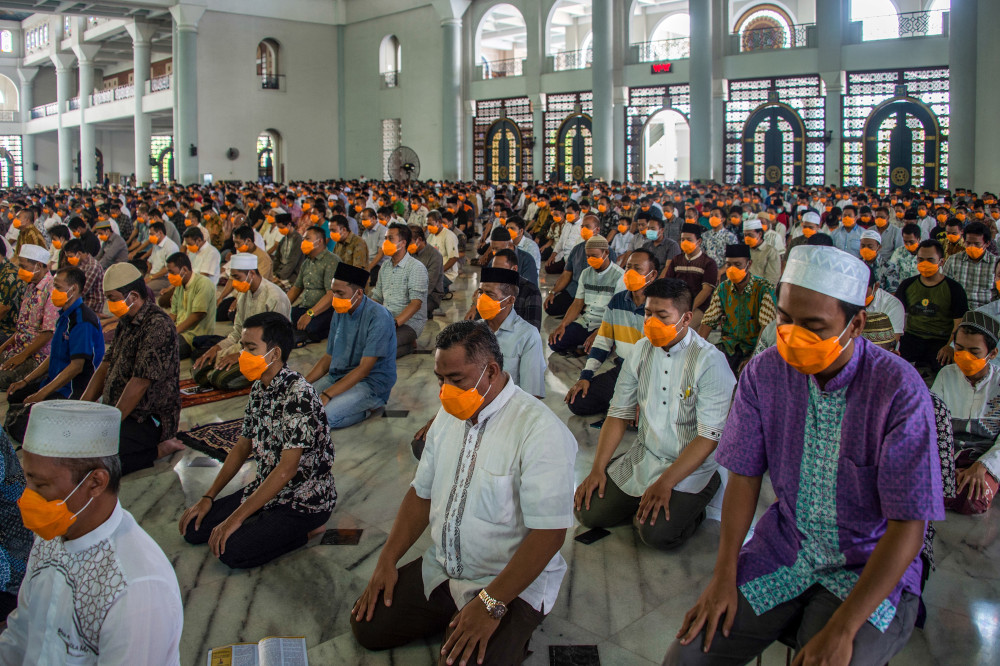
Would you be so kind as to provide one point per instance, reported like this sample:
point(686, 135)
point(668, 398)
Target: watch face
point(499, 610)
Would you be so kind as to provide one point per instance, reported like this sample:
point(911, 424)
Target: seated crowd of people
point(841, 340)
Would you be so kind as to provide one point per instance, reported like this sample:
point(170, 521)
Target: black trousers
point(202, 343)
point(183, 348)
point(317, 329)
point(922, 352)
point(137, 444)
point(574, 336)
point(598, 398)
point(267, 534)
point(559, 304)
point(222, 312)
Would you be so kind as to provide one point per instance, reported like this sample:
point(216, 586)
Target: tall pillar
point(620, 101)
point(700, 70)
point(602, 71)
point(831, 17)
point(27, 97)
point(451, 97)
point(962, 74)
point(186, 19)
point(538, 152)
point(88, 135)
point(987, 101)
point(64, 84)
point(142, 123)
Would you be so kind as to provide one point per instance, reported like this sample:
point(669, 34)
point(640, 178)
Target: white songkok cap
point(120, 274)
point(829, 271)
point(244, 261)
point(72, 429)
point(753, 225)
point(811, 218)
point(871, 234)
point(34, 253)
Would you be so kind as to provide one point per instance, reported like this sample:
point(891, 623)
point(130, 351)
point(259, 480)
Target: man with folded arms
point(495, 487)
point(98, 589)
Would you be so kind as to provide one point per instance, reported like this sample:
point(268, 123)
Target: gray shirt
point(113, 251)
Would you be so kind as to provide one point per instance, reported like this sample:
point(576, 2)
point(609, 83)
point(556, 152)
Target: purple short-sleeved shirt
point(866, 446)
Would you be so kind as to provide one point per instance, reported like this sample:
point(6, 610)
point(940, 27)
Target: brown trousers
point(413, 616)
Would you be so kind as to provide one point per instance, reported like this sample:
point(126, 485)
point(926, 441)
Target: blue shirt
point(848, 240)
point(368, 331)
point(77, 335)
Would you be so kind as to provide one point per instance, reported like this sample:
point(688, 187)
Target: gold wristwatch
point(497, 609)
point(310, 313)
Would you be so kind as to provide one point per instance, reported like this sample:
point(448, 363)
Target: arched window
point(567, 28)
point(765, 27)
point(6, 41)
point(879, 19)
point(390, 60)
point(501, 42)
point(675, 26)
point(267, 64)
point(267, 156)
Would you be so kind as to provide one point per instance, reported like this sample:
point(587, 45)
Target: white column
point(141, 34)
point(538, 124)
point(962, 73)
point(987, 101)
point(451, 97)
point(831, 17)
point(27, 77)
point(186, 19)
point(603, 81)
point(88, 135)
point(64, 84)
point(620, 100)
point(700, 70)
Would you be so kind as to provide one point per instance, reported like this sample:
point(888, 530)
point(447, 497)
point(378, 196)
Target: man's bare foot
point(166, 447)
point(316, 532)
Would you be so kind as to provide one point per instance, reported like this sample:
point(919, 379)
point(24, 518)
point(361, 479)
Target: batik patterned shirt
point(288, 414)
point(714, 242)
point(37, 315)
point(11, 295)
point(741, 315)
point(843, 461)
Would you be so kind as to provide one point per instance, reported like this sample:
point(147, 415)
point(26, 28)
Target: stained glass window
point(558, 108)
point(642, 104)
point(391, 137)
point(866, 91)
point(6, 42)
point(162, 150)
point(805, 94)
point(488, 111)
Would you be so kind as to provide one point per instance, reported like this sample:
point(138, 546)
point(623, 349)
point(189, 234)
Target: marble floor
point(619, 595)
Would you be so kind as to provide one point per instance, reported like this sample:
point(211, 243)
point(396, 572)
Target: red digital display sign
point(661, 68)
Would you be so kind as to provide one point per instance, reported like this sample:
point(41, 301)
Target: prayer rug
point(192, 394)
point(214, 439)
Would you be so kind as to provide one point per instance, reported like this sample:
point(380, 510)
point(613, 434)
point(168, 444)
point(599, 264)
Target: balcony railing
point(763, 39)
point(269, 83)
point(664, 49)
point(501, 69)
point(74, 104)
point(102, 97)
point(37, 112)
point(567, 60)
point(125, 92)
point(9, 116)
point(160, 83)
point(52, 109)
point(389, 79)
point(927, 23)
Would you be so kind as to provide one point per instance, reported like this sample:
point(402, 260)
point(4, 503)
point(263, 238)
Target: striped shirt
point(398, 285)
point(596, 290)
point(621, 329)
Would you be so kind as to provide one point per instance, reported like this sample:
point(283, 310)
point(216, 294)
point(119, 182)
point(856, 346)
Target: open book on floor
point(270, 651)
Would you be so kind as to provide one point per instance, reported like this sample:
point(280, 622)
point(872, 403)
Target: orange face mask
point(634, 281)
point(412, 248)
point(868, 299)
point(750, 240)
point(193, 249)
point(283, 231)
point(118, 308)
point(25, 276)
point(980, 214)
point(462, 404)
point(73, 261)
point(367, 224)
point(866, 218)
point(188, 222)
point(735, 275)
point(314, 218)
point(808, 232)
point(659, 334)
point(175, 280)
point(241, 286)
point(927, 268)
point(942, 218)
point(252, 366)
point(868, 254)
point(307, 246)
point(849, 222)
point(880, 222)
point(274, 204)
point(969, 364)
point(17, 224)
point(513, 233)
point(585, 232)
point(960, 216)
point(953, 238)
point(912, 247)
point(922, 212)
point(488, 306)
point(342, 305)
point(59, 298)
point(974, 252)
point(56, 243)
point(432, 228)
point(306, 207)
point(995, 214)
point(595, 262)
point(48, 519)
point(807, 352)
point(900, 216)
point(335, 236)
point(716, 222)
point(269, 219)
point(570, 217)
point(243, 248)
point(688, 247)
point(389, 248)
point(622, 228)
point(601, 208)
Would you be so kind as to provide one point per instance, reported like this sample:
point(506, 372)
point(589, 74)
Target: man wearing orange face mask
point(349, 247)
point(23, 351)
point(696, 269)
point(681, 386)
point(598, 283)
point(974, 269)
point(871, 254)
point(934, 306)
point(192, 302)
point(402, 288)
point(851, 450)
point(741, 306)
point(162, 247)
point(74, 256)
point(494, 487)
point(970, 388)
point(287, 256)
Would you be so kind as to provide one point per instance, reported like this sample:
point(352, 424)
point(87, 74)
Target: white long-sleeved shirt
point(974, 409)
point(108, 597)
